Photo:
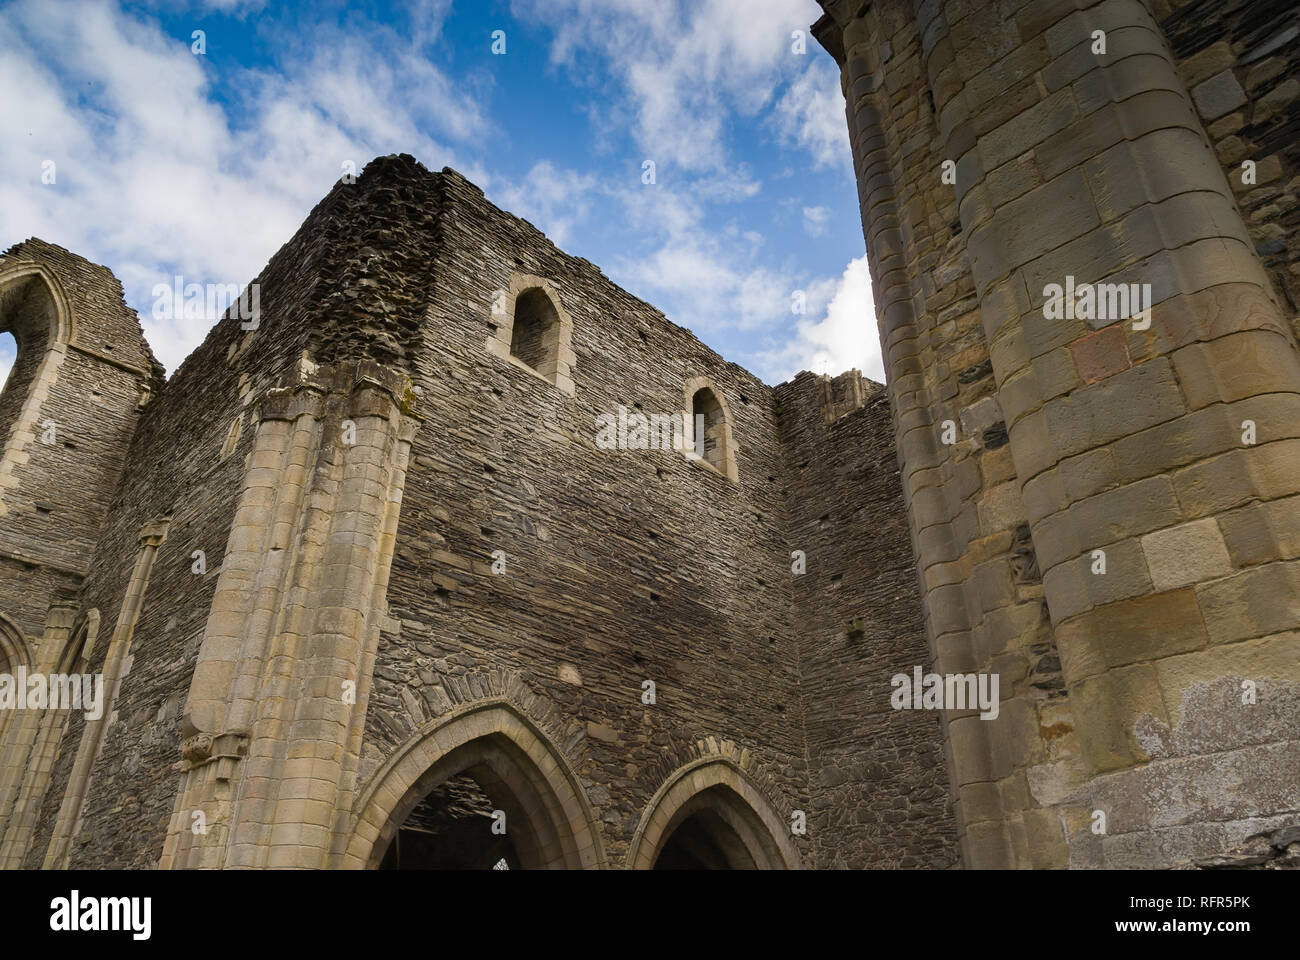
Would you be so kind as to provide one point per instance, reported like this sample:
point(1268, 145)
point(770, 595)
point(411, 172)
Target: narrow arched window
point(711, 430)
point(535, 335)
point(708, 415)
point(25, 311)
point(531, 329)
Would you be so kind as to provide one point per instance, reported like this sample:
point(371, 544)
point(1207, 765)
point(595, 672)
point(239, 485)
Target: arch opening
point(451, 829)
point(456, 777)
point(14, 653)
point(28, 315)
point(709, 816)
point(535, 333)
point(446, 818)
point(716, 830)
point(8, 354)
point(705, 405)
point(704, 841)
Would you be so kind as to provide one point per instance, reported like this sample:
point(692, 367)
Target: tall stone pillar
point(983, 596)
point(68, 823)
point(1156, 455)
point(21, 764)
point(273, 721)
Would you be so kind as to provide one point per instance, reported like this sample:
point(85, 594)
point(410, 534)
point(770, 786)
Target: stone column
point(273, 721)
point(18, 763)
point(981, 589)
point(1164, 453)
point(68, 823)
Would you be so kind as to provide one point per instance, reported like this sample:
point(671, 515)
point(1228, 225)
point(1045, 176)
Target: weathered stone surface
point(1172, 448)
point(1188, 553)
point(1217, 95)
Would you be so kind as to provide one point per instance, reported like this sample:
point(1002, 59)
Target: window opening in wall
point(705, 403)
point(535, 337)
point(8, 354)
point(232, 437)
point(27, 311)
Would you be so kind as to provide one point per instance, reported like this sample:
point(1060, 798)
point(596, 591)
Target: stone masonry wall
point(61, 490)
point(620, 565)
point(877, 778)
point(1126, 443)
point(983, 597)
point(175, 466)
point(1240, 61)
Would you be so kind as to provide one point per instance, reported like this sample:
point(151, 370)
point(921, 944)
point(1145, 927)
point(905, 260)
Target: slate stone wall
point(614, 567)
point(877, 778)
point(621, 566)
point(174, 466)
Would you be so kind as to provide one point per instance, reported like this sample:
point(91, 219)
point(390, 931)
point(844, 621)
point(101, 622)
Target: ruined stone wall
point(877, 779)
point(616, 567)
point(983, 594)
point(56, 490)
point(175, 467)
point(620, 565)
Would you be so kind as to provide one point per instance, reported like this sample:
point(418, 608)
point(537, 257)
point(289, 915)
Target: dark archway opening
point(451, 829)
point(446, 817)
point(704, 841)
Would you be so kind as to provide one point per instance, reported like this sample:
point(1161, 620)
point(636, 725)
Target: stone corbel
point(225, 749)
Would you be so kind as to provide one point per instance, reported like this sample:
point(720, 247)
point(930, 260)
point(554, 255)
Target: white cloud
point(844, 337)
point(180, 177)
point(706, 278)
point(154, 177)
point(815, 219)
point(811, 114)
point(551, 199)
point(685, 66)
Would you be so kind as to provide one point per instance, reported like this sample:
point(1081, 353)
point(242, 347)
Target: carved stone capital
point(153, 533)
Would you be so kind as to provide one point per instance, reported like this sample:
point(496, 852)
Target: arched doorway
point(453, 827)
point(704, 840)
point(482, 789)
point(709, 816)
point(14, 653)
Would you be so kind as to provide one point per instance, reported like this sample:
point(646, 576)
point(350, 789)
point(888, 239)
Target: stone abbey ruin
point(364, 590)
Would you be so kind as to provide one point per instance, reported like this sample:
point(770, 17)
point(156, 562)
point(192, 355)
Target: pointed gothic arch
point(14, 648)
point(730, 821)
point(15, 652)
point(28, 756)
point(548, 816)
point(34, 309)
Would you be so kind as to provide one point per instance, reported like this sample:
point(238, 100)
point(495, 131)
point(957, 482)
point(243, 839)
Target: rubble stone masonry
point(367, 552)
point(419, 561)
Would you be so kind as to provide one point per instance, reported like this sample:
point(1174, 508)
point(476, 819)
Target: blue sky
point(167, 161)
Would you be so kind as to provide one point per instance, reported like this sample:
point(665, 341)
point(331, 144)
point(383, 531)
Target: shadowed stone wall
point(860, 625)
point(415, 544)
